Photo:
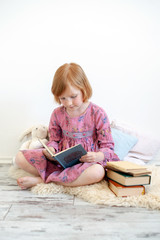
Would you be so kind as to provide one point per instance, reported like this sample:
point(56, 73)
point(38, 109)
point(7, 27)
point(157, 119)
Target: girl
point(76, 121)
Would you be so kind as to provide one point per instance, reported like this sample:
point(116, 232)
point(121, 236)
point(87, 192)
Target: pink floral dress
point(92, 130)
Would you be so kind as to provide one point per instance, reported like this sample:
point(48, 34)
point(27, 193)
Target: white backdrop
point(117, 43)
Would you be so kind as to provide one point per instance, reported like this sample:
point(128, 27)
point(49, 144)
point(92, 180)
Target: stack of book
point(127, 179)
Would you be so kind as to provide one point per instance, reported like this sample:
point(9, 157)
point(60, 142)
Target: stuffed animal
point(35, 132)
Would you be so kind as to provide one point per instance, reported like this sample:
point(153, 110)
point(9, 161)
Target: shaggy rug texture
point(99, 193)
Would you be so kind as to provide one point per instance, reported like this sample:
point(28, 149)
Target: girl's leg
point(28, 181)
point(25, 165)
point(93, 174)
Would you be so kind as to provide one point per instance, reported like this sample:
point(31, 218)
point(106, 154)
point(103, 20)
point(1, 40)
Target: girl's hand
point(47, 154)
point(92, 157)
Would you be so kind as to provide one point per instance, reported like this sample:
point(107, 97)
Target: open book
point(68, 157)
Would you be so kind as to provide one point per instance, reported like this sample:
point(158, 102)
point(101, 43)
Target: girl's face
point(72, 100)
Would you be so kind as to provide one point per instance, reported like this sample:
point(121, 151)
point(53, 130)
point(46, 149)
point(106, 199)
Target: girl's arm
point(104, 140)
point(92, 157)
point(55, 132)
point(104, 136)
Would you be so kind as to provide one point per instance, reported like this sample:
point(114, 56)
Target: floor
point(25, 216)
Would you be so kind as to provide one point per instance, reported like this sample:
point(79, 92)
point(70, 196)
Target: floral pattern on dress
point(95, 121)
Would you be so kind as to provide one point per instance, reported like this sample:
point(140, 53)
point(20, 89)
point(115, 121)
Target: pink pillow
point(147, 146)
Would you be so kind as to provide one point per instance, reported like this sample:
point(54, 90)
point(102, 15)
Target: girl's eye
point(62, 98)
point(74, 96)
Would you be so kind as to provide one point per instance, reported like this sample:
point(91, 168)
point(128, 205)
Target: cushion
point(124, 142)
point(147, 145)
point(134, 160)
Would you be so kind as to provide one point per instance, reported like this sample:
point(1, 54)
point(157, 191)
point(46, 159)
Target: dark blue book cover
point(68, 157)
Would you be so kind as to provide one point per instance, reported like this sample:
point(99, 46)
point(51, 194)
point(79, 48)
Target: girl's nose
point(69, 102)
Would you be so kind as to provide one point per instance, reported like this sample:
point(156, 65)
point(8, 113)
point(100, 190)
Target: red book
point(125, 191)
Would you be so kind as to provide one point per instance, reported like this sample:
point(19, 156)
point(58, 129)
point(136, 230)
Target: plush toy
point(35, 132)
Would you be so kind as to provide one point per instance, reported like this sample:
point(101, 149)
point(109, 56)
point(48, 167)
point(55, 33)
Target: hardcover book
point(128, 167)
point(128, 180)
point(68, 157)
point(123, 191)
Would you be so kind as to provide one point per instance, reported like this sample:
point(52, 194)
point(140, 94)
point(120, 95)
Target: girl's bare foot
point(27, 182)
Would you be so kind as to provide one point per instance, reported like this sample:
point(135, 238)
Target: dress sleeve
point(104, 136)
point(55, 132)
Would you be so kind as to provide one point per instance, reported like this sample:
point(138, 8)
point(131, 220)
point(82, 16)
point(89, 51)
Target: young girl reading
point(75, 121)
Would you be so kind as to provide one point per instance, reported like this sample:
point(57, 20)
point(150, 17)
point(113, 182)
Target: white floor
point(25, 216)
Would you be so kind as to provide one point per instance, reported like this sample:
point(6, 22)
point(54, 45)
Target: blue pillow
point(123, 142)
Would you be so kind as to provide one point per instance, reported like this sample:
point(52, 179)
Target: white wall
point(117, 42)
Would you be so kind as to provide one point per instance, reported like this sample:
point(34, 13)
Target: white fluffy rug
point(99, 193)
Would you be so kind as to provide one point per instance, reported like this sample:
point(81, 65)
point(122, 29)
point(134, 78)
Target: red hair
point(70, 73)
